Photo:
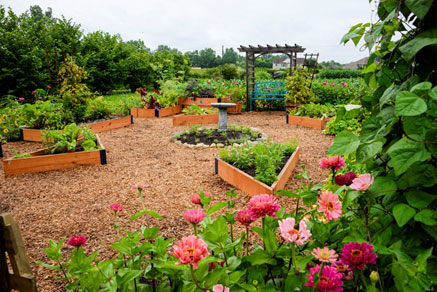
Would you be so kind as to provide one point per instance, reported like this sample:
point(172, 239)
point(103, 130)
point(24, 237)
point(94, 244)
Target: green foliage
point(298, 87)
point(339, 74)
point(262, 76)
point(400, 133)
point(21, 155)
point(11, 120)
point(98, 108)
point(238, 93)
point(341, 91)
point(229, 71)
point(266, 158)
point(197, 110)
point(348, 117)
point(71, 139)
point(42, 115)
point(312, 110)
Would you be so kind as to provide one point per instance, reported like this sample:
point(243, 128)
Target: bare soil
point(62, 203)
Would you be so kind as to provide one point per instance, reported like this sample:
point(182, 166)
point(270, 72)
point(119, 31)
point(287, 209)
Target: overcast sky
point(188, 25)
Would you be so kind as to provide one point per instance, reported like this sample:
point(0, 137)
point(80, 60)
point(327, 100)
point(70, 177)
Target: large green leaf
point(427, 217)
point(431, 137)
point(261, 257)
point(426, 38)
point(344, 143)
point(433, 93)
point(368, 151)
point(421, 87)
point(403, 213)
point(419, 199)
point(382, 186)
point(389, 95)
point(419, 7)
point(404, 153)
point(409, 104)
point(419, 174)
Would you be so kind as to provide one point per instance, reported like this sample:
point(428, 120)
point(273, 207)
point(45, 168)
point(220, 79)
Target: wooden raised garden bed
point(35, 135)
point(155, 113)
point(248, 184)
point(180, 120)
point(237, 108)
point(42, 162)
point(307, 122)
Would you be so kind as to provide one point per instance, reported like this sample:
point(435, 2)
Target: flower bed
point(39, 161)
point(248, 183)
point(204, 102)
point(157, 113)
point(306, 122)
point(180, 120)
point(35, 135)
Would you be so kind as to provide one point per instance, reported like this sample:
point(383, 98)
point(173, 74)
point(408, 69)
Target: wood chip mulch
point(61, 203)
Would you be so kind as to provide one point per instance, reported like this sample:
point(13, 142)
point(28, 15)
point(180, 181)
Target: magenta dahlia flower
point(330, 279)
point(362, 183)
point(195, 215)
point(325, 255)
point(190, 250)
point(262, 205)
point(77, 240)
point(244, 218)
point(335, 162)
point(116, 207)
point(357, 255)
point(293, 235)
point(329, 205)
point(346, 179)
point(345, 270)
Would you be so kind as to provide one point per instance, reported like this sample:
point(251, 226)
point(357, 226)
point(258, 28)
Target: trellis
point(253, 52)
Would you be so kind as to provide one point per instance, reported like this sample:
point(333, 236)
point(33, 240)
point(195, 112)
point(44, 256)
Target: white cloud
point(317, 25)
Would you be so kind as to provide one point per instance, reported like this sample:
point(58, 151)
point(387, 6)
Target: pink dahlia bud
point(195, 199)
point(195, 215)
point(49, 87)
point(34, 92)
point(244, 218)
point(262, 205)
point(21, 98)
point(362, 183)
point(190, 250)
point(77, 240)
point(116, 207)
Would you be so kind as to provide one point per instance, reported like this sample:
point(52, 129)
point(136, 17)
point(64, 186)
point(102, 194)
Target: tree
point(230, 56)
point(208, 58)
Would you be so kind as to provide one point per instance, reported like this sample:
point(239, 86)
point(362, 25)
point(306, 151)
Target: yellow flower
point(5, 131)
point(15, 123)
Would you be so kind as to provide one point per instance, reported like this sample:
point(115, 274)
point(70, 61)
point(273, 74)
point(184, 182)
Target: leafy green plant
point(98, 108)
point(21, 155)
point(44, 114)
point(312, 110)
point(348, 117)
point(11, 120)
point(197, 110)
point(339, 73)
point(71, 139)
point(298, 86)
point(339, 91)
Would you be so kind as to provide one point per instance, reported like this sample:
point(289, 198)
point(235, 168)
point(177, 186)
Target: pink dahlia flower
point(336, 162)
point(195, 215)
point(362, 183)
point(293, 235)
point(195, 199)
point(325, 255)
point(330, 279)
point(220, 288)
point(346, 179)
point(244, 217)
point(140, 186)
point(116, 207)
point(21, 98)
point(49, 87)
point(77, 240)
point(33, 92)
point(358, 255)
point(329, 205)
point(262, 205)
point(190, 250)
point(345, 270)
point(40, 98)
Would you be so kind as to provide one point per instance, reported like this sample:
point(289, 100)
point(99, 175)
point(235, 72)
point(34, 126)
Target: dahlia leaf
point(214, 208)
point(403, 213)
point(154, 214)
point(345, 143)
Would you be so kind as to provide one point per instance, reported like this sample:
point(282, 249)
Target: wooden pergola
point(253, 52)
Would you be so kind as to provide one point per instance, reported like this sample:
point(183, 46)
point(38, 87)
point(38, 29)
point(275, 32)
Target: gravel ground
point(61, 203)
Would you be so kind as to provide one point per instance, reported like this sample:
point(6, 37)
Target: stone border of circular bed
point(263, 138)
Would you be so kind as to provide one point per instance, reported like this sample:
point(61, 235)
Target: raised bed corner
point(40, 162)
point(35, 135)
point(248, 184)
point(181, 120)
point(306, 122)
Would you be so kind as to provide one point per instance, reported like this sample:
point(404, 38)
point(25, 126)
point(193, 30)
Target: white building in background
point(284, 63)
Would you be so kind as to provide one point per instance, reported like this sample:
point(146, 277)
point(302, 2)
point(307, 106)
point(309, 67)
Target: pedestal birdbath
point(223, 114)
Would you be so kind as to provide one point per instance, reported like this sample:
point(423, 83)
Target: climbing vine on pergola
point(254, 52)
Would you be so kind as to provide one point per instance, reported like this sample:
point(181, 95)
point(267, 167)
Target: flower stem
point(195, 281)
point(141, 198)
point(195, 228)
point(247, 241)
point(264, 233)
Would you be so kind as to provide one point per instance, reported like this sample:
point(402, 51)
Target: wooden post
point(12, 243)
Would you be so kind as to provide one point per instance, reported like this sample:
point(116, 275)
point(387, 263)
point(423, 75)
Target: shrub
point(339, 74)
point(98, 109)
point(298, 87)
point(229, 71)
point(338, 91)
point(44, 114)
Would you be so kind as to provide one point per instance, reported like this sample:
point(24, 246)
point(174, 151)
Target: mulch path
point(61, 203)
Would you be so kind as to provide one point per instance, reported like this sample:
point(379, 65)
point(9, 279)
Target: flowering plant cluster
point(276, 250)
point(338, 91)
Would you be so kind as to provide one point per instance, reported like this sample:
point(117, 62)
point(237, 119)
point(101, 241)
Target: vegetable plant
point(71, 139)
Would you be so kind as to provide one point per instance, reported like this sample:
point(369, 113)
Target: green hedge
point(339, 73)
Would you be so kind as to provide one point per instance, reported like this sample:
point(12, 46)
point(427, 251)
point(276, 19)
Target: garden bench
point(268, 90)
